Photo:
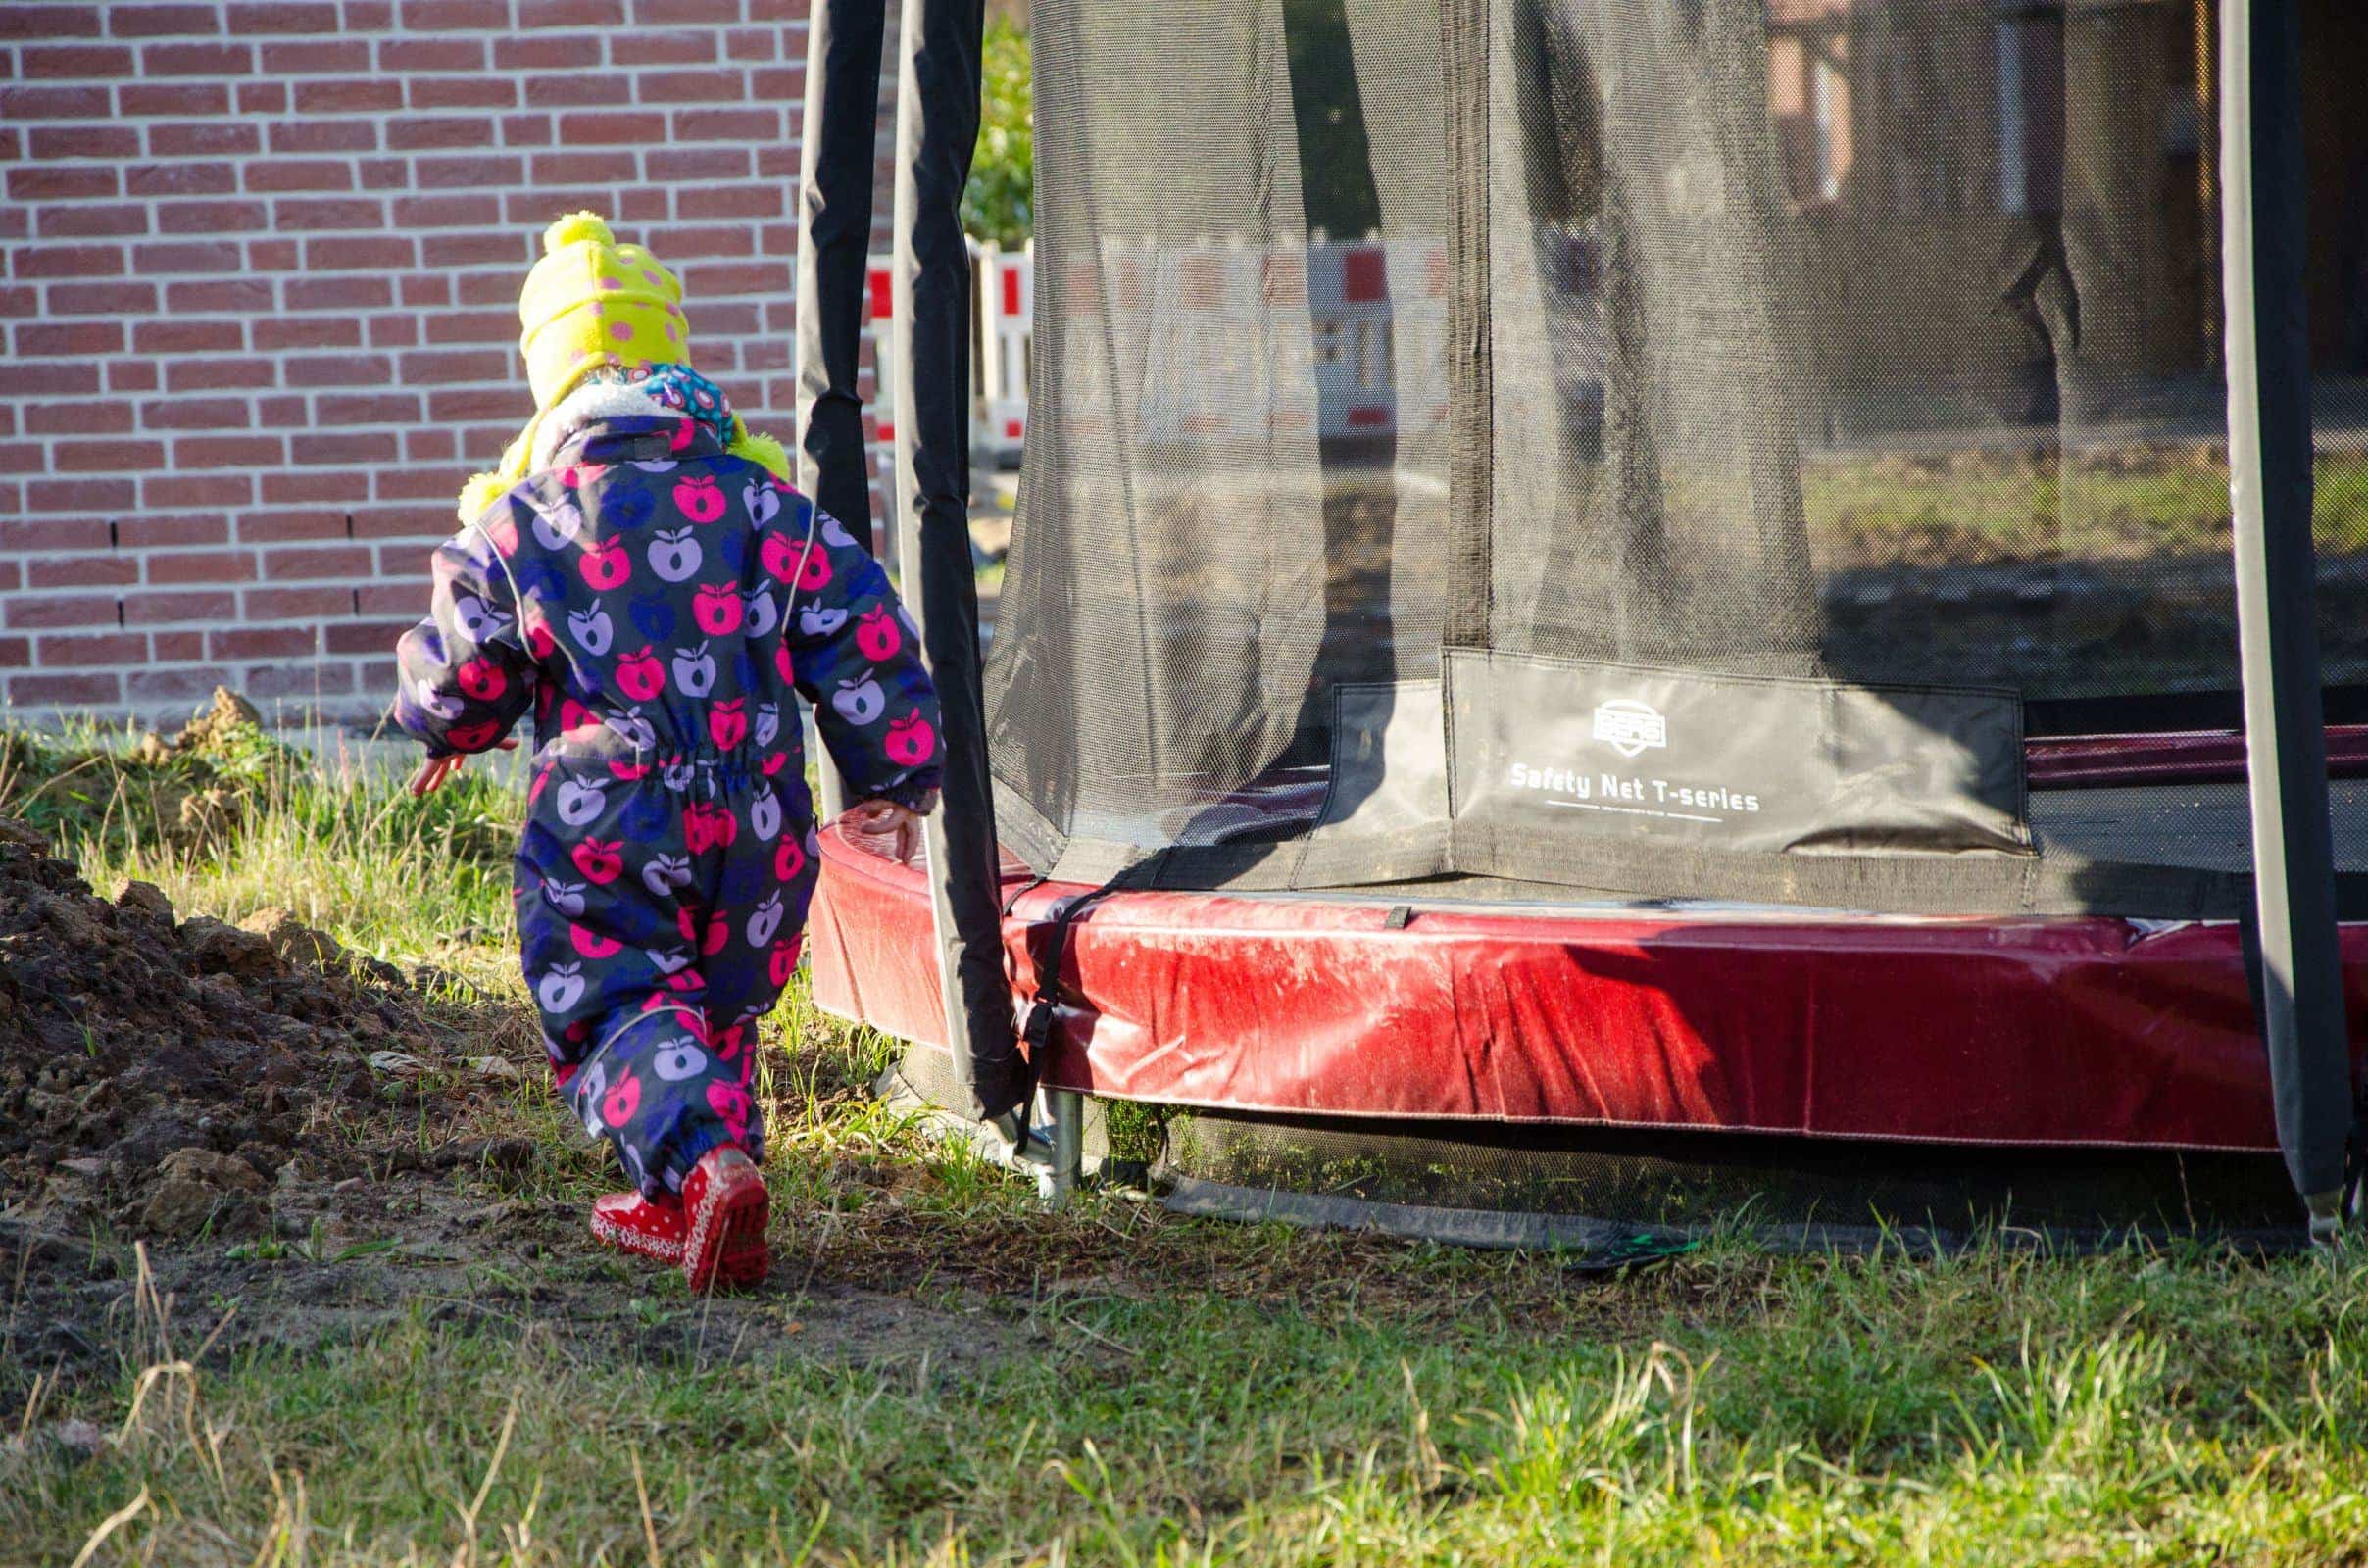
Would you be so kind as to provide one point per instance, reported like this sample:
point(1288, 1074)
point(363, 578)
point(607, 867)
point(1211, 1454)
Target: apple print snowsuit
point(653, 599)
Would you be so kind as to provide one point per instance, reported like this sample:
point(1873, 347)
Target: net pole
point(937, 112)
point(2269, 442)
point(843, 41)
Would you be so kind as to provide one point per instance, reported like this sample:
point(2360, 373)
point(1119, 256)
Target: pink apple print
point(629, 773)
point(879, 635)
point(698, 497)
point(727, 725)
point(473, 737)
point(730, 1103)
point(539, 641)
point(706, 825)
point(640, 676)
point(910, 741)
point(789, 860)
point(782, 664)
point(601, 860)
point(779, 554)
point(482, 679)
point(814, 574)
point(718, 609)
point(591, 944)
point(728, 1043)
point(707, 932)
point(624, 1098)
point(606, 565)
point(501, 531)
point(783, 961)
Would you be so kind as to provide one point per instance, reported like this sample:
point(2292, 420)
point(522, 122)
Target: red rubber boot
point(632, 1223)
point(725, 1208)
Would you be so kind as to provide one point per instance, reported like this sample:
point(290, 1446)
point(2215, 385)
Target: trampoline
point(1653, 609)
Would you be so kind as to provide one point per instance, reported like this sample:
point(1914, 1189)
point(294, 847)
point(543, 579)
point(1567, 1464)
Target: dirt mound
point(192, 790)
point(222, 729)
point(162, 1073)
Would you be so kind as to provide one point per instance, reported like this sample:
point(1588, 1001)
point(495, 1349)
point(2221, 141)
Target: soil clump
point(160, 1074)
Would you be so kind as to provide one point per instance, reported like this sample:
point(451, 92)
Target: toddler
point(642, 578)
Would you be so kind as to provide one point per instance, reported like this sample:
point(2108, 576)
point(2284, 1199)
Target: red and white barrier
point(1226, 356)
point(1002, 324)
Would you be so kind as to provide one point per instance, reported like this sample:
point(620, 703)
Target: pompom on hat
point(591, 302)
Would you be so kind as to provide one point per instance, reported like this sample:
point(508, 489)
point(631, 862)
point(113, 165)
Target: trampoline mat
point(2205, 825)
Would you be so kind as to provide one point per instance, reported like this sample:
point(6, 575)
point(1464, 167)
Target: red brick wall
point(262, 261)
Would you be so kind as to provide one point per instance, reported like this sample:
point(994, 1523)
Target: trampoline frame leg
point(1066, 1109)
point(2269, 459)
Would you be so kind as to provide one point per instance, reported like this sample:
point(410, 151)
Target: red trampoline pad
point(2037, 1032)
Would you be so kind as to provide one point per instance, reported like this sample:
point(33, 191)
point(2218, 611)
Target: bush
point(1000, 203)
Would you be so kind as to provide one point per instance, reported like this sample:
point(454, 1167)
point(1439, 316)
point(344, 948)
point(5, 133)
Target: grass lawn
point(446, 1371)
point(2150, 499)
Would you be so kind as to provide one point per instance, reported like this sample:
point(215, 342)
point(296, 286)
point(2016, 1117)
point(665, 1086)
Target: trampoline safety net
point(1676, 448)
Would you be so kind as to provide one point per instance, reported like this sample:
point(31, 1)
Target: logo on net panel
point(1630, 727)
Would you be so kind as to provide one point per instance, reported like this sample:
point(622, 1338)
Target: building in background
point(261, 264)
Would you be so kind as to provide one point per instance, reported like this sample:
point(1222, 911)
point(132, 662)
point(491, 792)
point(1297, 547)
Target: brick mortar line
point(82, 318)
point(409, 270)
point(387, 194)
point(353, 157)
point(378, 118)
point(305, 546)
point(251, 394)
point(316, 546)
point(139, 77)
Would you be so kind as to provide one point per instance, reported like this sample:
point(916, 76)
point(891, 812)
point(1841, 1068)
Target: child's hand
point(436, 771)
point(886, 829)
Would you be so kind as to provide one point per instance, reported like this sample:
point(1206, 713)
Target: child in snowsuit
point(642, 578)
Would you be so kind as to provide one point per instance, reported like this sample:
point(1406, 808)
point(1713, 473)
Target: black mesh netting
point(1873, 342)
point(1236, 486)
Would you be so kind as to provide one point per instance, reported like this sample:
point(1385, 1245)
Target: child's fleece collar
point(615, 395)
point(593, 403)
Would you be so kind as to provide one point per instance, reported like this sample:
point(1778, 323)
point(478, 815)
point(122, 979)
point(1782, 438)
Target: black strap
point(1035, 881)
point(1044, 1007)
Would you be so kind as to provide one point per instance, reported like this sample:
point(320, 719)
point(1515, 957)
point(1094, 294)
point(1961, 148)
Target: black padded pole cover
point(835, 242)
point(2269, 412)
point(936, 131)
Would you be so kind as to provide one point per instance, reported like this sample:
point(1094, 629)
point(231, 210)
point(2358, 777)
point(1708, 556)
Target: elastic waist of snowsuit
point(708, 763)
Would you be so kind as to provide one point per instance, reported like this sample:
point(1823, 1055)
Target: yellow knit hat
point(589, 303)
